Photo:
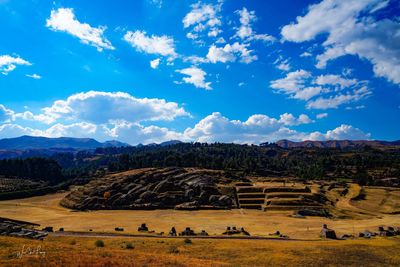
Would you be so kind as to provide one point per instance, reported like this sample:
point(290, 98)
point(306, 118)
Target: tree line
point(362, 164)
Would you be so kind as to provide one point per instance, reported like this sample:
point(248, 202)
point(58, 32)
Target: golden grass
point(46, 211)
point(80, 251)
point(387, 200)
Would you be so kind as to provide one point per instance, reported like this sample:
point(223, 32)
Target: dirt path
point(345, 206)
point(111, 235)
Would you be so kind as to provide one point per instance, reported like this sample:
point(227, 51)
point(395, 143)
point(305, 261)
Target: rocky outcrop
point(179, 188)
point(9, 227)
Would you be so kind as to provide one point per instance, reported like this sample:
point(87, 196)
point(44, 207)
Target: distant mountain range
point(337, 143)
point(34, 142)
point(28, 146)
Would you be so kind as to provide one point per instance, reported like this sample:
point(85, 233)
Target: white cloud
point(343, 132)
point(260, 128)
point(203, 17)
point(229, 53)
point(8, 63)
point(331, 79)
point(307, 93)
point(290, 120)
point(245, 31)
point(339, 99)
point(154, 63)
point(14, 130)
point(6, 115)
point(63, 19)
point(196, 77)
point(351, 31)
point(215, 127)
point(195, 60)
point(220, 40)
point(306, 54)
point(322, 115)
point(282, 64)
point(241, 84)
point(332, 90)
point(159, 45)
point(134, 133)
point(34, 76)
point(292, 82)
point(103, 107)
point(256, 129)
point(29, 116)
point(356, 107)
point(80, 129)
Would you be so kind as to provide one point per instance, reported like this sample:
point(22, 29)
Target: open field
point(79, 251)
point(45, 210)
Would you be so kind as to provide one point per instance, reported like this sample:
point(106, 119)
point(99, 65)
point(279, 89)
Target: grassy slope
point(72, 251)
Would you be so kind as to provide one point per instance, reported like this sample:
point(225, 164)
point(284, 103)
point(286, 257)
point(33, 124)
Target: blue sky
point(229, 71)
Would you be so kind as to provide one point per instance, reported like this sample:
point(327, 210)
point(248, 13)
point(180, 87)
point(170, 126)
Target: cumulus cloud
point(245, 31)
point(229, 53)
point(154, 63)
point(63, 19)
point(290, 120)
point(343, 132)
point(80, 129)
point(134, 133)
point(351, 30)
point(215, 127)
point(261, 128)
point(103, 107)
point(9, 130)
point(323, 92)
point(158, 45)
point(9, 63)
point(203, 17)
point(196, 77)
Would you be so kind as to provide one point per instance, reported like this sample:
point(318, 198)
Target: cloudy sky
point(226, 70)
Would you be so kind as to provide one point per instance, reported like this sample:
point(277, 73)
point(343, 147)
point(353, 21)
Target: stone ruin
point(327, 233)
point(234, 231)
point(168, 188)
point(143, 228)
point(187, 232)
point(15, 228)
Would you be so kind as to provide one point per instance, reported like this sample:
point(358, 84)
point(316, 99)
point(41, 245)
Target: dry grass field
point(379, 208)
point(386, 200)
point(46, 211)
point(72, 251)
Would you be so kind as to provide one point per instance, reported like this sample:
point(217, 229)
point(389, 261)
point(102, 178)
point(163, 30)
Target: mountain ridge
point(27, 142)
point(284, 143)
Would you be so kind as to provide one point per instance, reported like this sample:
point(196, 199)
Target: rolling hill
point(34, 142)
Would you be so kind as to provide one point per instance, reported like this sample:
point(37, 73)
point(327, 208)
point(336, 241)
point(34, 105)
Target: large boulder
point(224, 201)
point(164, 186)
